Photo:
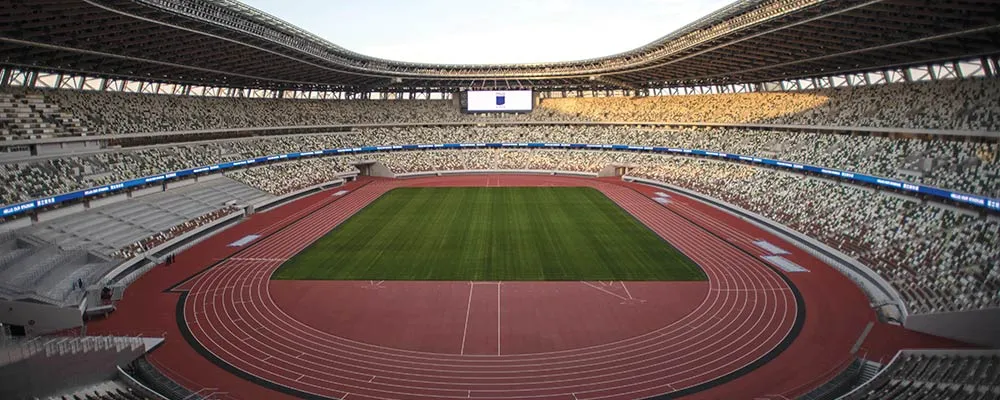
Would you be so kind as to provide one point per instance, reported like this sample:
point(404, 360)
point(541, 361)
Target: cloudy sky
point(475, 31)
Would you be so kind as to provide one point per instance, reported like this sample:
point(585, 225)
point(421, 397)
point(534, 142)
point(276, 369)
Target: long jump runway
point(492, 340)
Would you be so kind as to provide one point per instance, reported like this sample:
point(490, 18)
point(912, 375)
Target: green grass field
point(491, 234)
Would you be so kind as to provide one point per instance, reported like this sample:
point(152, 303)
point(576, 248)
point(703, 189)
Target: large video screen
point(499, 101)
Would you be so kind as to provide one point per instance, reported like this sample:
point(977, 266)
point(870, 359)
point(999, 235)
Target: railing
point(836, 380)
point(14, 349)
point(138, 386)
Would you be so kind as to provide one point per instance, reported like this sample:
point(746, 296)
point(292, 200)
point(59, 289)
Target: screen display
point(499, 100)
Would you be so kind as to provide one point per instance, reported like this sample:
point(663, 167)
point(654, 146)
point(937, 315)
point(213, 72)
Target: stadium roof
point(226, 43)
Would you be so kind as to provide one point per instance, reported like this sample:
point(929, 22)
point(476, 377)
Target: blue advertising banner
point(979, 201)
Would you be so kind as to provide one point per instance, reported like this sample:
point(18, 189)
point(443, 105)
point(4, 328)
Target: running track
point(750, 320)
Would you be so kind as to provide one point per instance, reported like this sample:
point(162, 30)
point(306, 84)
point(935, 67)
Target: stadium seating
point(30, 116)
point(279, 179)
point(108, 391)
point(49, 260)
point(122, 229)
point(966, 375)
point(971, 167)
point(38, 365)
point(970, 104)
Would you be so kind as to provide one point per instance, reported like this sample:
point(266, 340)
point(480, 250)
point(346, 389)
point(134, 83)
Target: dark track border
point(800, 318)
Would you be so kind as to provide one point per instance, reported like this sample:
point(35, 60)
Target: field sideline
point(491, 234)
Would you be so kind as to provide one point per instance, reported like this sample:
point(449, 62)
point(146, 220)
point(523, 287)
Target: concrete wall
point(108, 200)
point(42, 375)
point(980, 327)
point(68, 147)
point(204, 178)
point(39, 319)
point(374, 168)
point(61, 212)
point(15, 224)
point(181, 183)
point(147, 191)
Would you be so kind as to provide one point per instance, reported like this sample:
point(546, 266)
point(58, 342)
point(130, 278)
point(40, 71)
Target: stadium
point(784, 199)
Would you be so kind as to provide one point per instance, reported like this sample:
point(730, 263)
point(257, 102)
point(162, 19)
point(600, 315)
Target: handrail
point(863, 385)
point(826, 376)
point(134, 383)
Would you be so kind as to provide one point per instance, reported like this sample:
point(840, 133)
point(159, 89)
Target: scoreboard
point(477, 101)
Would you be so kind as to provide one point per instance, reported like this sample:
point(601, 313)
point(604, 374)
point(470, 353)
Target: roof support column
point(4, 77)
point(30, 79)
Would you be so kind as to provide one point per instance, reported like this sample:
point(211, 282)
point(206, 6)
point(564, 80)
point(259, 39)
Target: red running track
point(733, 340)
point(749, 309)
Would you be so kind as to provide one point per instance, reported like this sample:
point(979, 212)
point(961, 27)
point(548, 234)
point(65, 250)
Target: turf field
point(491, 234)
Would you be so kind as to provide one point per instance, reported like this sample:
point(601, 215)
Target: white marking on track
point(468, 310)
point(313, 338)
point(498, 317)
point(620, 297)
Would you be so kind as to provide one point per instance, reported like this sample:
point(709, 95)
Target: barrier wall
point(61, 212)
point(38, 318)
point(108, 200)
point(974, 200)
point(980, 327)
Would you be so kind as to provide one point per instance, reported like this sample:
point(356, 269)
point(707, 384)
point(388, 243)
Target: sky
point(488, 32)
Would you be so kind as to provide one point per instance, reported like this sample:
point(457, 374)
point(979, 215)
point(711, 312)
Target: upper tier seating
point(972, 104)
point(30, 116)
point(967, 104)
